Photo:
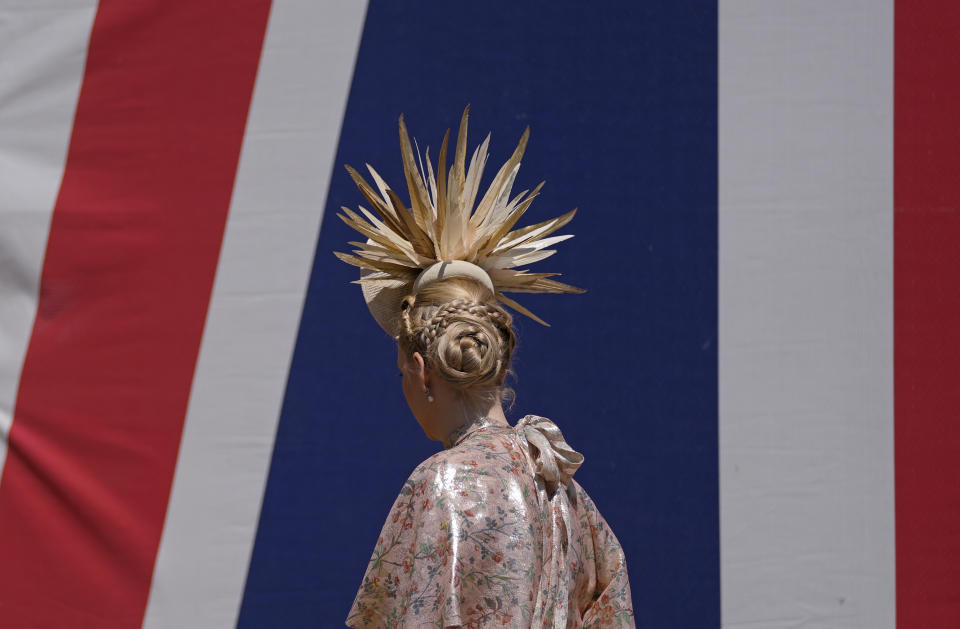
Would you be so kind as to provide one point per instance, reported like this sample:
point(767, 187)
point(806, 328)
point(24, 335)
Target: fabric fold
point(554, 463)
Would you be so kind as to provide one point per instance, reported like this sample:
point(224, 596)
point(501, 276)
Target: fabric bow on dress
point(553, 458)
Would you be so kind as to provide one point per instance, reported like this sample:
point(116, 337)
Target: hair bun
point(462, 333)
point(465, 343)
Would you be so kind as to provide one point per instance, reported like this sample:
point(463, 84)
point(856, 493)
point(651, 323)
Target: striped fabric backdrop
point(201, 427)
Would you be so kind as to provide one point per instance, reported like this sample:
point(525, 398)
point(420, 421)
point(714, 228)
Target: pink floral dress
point(494, 532)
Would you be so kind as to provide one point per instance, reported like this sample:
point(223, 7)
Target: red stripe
point(126, 281)
point(927, 313)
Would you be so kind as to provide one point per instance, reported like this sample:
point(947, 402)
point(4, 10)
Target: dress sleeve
point(455, 549)
point(611, 605)
point(407, 571)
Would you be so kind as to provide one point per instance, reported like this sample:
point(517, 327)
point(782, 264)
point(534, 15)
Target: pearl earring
point(429, 397)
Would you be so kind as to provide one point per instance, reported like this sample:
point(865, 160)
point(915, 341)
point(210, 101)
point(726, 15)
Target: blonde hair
point(463, 334)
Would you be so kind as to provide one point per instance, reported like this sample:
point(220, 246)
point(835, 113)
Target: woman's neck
point(459, 415)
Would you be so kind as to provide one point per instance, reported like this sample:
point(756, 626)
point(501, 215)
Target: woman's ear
point(420, 372)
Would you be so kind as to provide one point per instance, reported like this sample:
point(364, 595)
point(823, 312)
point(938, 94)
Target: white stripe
point(43, 47)
point(805, 313)
point(251, 327)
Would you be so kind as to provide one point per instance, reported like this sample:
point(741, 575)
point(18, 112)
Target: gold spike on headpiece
point(442, 225)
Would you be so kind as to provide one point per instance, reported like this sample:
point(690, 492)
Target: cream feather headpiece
point(442, 234)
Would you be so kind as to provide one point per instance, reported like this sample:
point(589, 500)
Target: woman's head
point(465, 338)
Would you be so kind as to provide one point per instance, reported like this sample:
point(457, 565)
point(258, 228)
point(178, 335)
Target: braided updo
point(463, 334)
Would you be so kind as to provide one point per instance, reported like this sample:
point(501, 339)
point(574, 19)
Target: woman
point(493, 531)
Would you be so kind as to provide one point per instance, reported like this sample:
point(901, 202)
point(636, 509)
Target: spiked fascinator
point(443, 235)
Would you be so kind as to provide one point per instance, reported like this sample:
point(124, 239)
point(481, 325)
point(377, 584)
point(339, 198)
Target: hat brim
point(384, 295)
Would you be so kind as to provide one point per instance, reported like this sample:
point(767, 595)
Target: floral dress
point(494, 532)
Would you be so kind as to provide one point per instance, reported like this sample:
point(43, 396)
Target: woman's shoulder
point(484, 455)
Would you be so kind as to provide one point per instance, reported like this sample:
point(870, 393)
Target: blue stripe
point(622, 105)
